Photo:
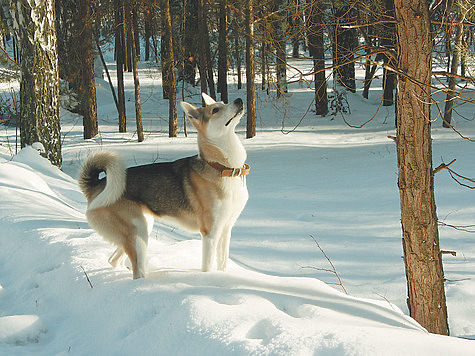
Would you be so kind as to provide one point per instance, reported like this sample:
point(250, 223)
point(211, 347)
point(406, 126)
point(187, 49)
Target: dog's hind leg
point(131, 251)
point(141, 242)
point(223, 249)
point(118, 257)
point(141, 248)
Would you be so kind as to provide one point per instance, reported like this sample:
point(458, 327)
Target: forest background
point(197, 43)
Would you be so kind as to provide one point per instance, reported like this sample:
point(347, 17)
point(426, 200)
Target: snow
point(59, 295)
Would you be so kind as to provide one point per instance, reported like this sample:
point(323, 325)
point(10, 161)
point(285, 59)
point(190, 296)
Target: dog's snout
point(238, 102)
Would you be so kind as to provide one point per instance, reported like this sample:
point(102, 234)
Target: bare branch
point(442, 166)
point(87, 277)
point(333, 270)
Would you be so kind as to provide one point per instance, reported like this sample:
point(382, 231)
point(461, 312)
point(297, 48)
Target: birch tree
point(34, 24)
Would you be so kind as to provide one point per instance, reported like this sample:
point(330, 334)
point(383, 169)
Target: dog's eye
point(215, 110)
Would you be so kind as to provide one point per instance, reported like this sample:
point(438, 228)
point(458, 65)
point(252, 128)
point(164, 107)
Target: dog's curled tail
point(113, 165)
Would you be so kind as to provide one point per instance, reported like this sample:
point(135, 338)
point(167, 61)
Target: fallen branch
point(87, 277)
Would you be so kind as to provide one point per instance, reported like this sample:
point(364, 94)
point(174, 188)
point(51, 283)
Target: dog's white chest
point(234, 198)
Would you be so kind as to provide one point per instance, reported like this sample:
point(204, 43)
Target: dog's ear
point(208, 100)
point(193, 113)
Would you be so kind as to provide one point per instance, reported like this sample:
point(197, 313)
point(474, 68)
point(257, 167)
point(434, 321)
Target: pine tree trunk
point(135, 26)
point(237, 54)
point(190, 41)
point(119, 49)
point(280, 50)
point(168, 67)
point(39, 85)
point(250, 71)
point(345, 42)
point(205, 50)
point(317, 51)
point(138, 109)
point(369, 68)
point(449, 101)
point(148, 33)
point(422, 257)
point(87, 85)
point(263, 52)
point(387, 41)
point(223, 52)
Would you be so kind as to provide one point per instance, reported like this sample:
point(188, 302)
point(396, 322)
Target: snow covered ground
point(325, 180)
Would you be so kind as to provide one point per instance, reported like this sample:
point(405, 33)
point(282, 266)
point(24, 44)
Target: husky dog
point(204, 193)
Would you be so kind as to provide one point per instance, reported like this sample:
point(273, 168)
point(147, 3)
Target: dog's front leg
point(223, 249)
point(209, 246)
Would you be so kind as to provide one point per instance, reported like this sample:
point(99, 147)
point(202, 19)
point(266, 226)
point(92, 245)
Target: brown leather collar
point(230, 172)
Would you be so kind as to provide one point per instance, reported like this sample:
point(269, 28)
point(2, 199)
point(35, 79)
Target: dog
point(204, 193)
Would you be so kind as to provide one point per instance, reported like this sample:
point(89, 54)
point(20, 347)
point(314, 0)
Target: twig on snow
point(87, 277)
point(332, 270)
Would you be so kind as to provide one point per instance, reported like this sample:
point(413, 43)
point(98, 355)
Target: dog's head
point(216, 119)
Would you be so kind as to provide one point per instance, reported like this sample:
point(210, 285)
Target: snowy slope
point(48, 306)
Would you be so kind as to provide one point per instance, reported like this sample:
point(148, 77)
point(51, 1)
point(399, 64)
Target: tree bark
point(138, 109)
point(280, 50)
point(370, 69)
point(237, 52)
point(190, 40)
point(250, 71)
point(205, 65)
point(317, 51)
point(345, 42)
point(87, 83)
point(34, 23)
point(422, 257)
point(223, 52)
point(119, 49)
point(76, 58)
point(168, 67)
point(387, 41)
point(449, 101)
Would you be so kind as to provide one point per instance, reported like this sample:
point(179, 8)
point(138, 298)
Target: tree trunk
point(34, 23)
point(205, 50)
point(263, 51)
point(295, 24)
point(344, 45)
point(119, 49)
point(76, 58)
point(138, 110)
point(387, 41)
point(223, 52)
point(135, 25)
point(168, 67)
point(422, 258)
point(237, 55)
point(449, 101)
point(87, 85)
point(250, 71)
point(190, 41)
point(148, 32)
point(280, 50)
point(369, 68)
point(317, 51)
point(128, 50)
